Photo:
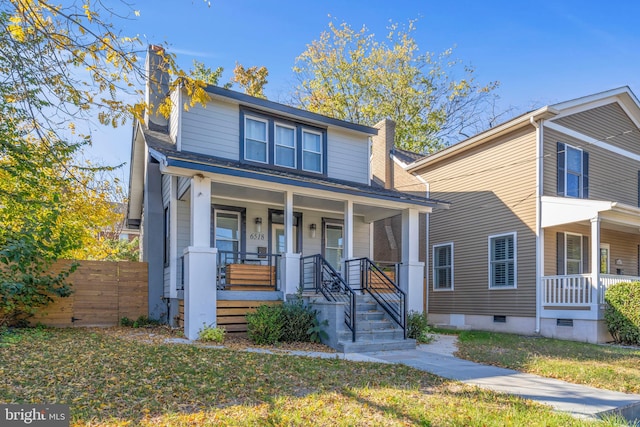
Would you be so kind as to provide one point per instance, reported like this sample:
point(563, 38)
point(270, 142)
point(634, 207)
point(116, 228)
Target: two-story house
point(243, 201)
point(544, 217)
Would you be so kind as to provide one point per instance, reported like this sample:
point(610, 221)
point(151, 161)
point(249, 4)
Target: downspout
point(426, 249)
point(539, 241)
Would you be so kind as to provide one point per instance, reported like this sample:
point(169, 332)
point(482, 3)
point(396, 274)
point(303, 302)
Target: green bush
point(290, 322)
point(298, 318)
point(622, 314)
point(417, 327)
point(266, 324)
point(212, 334)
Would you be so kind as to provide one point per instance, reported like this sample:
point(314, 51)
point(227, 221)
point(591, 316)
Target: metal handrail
point(376, 283)
point(226, 258)
point(317, 275)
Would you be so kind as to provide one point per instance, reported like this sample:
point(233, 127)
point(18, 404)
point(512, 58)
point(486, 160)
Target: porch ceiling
point(613, 215)
point(231, 192)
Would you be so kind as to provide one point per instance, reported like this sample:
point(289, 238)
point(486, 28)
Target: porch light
point(258, 225)
point(312, 230)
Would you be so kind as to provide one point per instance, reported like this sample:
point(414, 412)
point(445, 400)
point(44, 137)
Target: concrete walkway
point(437, 358)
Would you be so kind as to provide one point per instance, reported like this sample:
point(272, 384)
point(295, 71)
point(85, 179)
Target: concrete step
point(369, 336)
point(371, 346)
point(369, 315)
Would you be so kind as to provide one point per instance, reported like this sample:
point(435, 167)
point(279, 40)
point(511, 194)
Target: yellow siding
point(608, 123)
point(623, 246)
point(612, 176)
point(492, 191)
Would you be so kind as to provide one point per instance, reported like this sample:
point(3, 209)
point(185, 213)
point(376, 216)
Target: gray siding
point(347, 156)
point(184, 229)
point(174, 117)
point(213, 130)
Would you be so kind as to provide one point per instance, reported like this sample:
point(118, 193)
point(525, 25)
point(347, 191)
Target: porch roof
point(564, 210)
point(164, 151)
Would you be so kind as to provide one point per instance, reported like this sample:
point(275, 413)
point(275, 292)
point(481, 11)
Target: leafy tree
point(59, 65)
point(252, 79)
point(350, 75)
point(206, 74)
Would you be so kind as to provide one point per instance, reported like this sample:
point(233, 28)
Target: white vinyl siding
point(347, 156)
point(174, 117)
point(502, 261)
point(285, 146)
point(213, 130)
point(443, 266)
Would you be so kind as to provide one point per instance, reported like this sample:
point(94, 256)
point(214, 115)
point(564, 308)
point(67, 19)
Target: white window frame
point(514, 234)
point(566, 253)
point(450, 267)
point(567, 173)
point(277, 144)
point(310, 151)
point(266, 141)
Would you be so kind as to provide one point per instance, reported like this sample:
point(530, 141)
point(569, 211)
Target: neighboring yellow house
point(544, 217)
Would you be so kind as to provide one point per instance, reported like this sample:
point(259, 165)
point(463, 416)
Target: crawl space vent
point(499, 319)
point(564, 322)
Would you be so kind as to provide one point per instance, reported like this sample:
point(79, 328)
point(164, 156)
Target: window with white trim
point(256, 139)
point(573, 171)
point(502, 261)
point(443, 266)
point(311, 151)
point(285, 141)
point(281, 142)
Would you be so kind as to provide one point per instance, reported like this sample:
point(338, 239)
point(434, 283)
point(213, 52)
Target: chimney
point(157, 87)
point(381, 148)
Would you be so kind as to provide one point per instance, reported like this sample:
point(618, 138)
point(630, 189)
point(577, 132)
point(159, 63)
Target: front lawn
point(601, 366)
point(108, 380)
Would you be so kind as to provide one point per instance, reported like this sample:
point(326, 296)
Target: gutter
point(519, 122)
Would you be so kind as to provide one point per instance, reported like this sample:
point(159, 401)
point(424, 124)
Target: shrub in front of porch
point(288, 322)
point(622, 313)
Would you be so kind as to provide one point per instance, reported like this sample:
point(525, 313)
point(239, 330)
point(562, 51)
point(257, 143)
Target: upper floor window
point(255, 140)
point(312, 151)
point(573, 171)
point(283, 143)
point(502, 261)
point(285, 146)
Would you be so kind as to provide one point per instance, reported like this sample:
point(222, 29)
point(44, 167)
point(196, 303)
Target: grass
point(108, 380)
point(602, 366)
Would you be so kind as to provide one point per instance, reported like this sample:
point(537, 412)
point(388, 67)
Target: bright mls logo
point(34, 415)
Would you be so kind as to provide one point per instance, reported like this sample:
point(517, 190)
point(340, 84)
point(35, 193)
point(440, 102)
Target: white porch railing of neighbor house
point(576, 290)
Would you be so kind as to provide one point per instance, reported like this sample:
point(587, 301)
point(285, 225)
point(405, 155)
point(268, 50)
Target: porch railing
point(248, 271)
point(607, 280)
point(577, 289)
point(374, 281)
point(318, 276)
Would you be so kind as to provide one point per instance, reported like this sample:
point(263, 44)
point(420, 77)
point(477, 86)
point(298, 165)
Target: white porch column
point(412, 270)
point(348, 230)
point(290, 261)
point(595, 259)
point(199, 263)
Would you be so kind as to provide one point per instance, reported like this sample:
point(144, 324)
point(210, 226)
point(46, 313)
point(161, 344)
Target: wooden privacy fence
point(103, 293)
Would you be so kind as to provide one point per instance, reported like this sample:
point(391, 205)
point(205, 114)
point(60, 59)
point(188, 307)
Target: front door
point(333, 246)
point(278, 240)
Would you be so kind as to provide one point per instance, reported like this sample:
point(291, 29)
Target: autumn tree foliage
point(60, 65)
point(352, 75)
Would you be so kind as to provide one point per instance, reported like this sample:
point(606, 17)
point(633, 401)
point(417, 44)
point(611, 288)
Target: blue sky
point(540, 53)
